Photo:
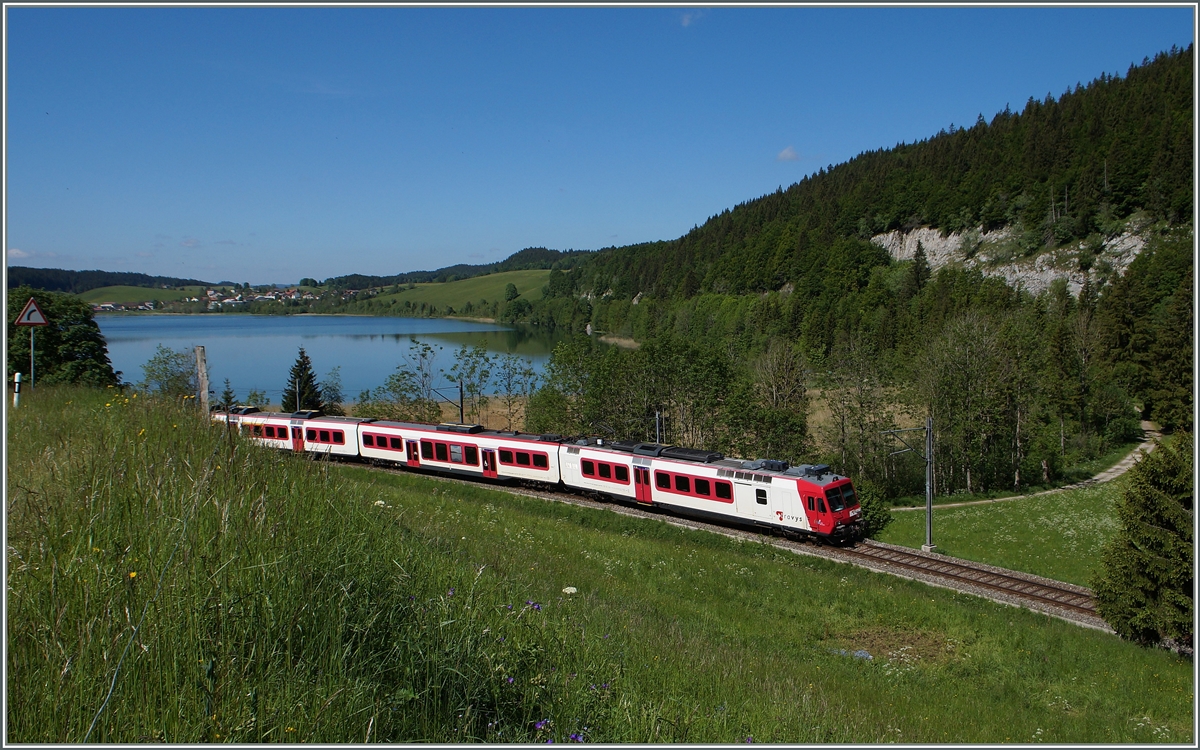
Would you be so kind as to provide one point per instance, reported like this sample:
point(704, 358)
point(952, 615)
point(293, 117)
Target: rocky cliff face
point(999, 253)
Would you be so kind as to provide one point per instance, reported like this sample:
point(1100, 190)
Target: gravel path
point(1150, 442)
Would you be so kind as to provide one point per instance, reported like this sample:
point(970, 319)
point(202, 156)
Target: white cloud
point(688, 18)
point(788, 154)
point(225, 242)
point(190, 242)
point(14, 252)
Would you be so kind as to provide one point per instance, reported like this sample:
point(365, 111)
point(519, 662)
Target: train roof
point(818, 474)
point(469, 429)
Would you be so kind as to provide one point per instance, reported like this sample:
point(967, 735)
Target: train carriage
point(333, 436)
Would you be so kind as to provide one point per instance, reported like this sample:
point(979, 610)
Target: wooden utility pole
point(202, 371)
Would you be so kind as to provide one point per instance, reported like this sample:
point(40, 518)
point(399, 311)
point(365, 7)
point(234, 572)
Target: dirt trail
point(1125, 464)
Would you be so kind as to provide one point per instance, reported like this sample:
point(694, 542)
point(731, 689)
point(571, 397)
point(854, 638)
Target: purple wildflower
point(576, 737)
point(537, 607)
point(591, 687)
point(604, 686)
point(451, 593)
point(510, 680)
point(550, 741)
point(750, 739)
point(541, 724)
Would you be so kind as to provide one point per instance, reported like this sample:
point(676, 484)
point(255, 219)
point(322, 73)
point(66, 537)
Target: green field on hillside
point(457, 294)
point(227, 593)
point(1058, 536)
point(126, 295)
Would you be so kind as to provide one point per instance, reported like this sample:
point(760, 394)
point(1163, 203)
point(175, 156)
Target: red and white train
point(805, 500)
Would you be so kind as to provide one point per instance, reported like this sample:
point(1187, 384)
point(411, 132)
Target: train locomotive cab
point(829, 501)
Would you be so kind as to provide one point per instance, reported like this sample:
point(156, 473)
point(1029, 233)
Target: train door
point(298, 439)
point(414, 453)
point(489, 464)
point(817, 512)
point(641, 483)
point(762, 503)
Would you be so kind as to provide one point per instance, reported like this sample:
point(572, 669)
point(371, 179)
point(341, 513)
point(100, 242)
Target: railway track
point(1012, 585)
point(1055, 598)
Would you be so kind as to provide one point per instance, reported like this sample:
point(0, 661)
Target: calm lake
point(257, 351)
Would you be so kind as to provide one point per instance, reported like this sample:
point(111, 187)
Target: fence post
point(202, 370)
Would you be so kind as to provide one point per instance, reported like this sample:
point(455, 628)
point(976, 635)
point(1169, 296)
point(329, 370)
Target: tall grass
point(314, 602)
point(288, 613)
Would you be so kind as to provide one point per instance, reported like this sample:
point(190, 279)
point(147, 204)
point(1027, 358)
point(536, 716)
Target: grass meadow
point(457, 294)
point(130, 295)
point(226, 593)
point(1059, 535)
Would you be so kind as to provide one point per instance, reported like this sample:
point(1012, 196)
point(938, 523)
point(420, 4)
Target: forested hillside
point(1059, 169)
point(78, 282)
point(531, 258)
point(786, 294)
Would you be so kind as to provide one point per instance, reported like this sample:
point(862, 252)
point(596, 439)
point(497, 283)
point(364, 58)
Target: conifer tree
point(302, 392)
point(1144, 588)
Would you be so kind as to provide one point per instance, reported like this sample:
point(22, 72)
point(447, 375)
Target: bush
point(1144, 589)
point(70, 350)
point(170, 373)
point(875, 513)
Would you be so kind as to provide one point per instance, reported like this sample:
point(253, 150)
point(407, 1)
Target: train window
point(848, 495)
point(426, 449)
point(310, 435)
point(472, 454)
point(269, 431)
point(662, 480)
point(324, 436)
point(506, 457)
point(397, 443)
point(702, 487)
point(622, 473)
point(540, 461)
point(812, 504)
point(456, 454)
point(725, 490)
point(439, 450)
point(821, 504)
point(682, 483)
point(589, 468)
point(835, 499)
point(339, 437)
point(761, 496)
point(368, 440)
point(605, 471)
point(522, 458)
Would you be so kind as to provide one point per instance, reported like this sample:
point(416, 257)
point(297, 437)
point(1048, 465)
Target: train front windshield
point(841, 498)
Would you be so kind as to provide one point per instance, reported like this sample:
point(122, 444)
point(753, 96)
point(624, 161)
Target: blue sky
point(267, 144)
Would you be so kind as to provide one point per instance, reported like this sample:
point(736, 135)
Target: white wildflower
point(570, 590)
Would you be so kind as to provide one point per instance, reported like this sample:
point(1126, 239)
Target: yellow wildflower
point(133, 574)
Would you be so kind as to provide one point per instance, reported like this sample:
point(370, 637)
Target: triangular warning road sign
point(32, 315)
